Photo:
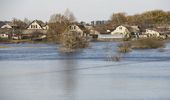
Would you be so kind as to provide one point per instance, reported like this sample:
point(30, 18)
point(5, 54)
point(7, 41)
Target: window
point(74, 27)
point(120, 28)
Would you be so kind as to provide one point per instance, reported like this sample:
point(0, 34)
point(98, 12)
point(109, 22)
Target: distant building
point(94, 33)
point(126, 32)
point(98, 22)
point(6, 26)
point(121, 32)
point(4, 33)
point(152, 33)
point(38, 25)
point(79, 29)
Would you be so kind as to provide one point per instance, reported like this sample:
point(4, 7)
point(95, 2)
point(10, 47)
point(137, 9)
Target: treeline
point(147, 19)
point(21, 24)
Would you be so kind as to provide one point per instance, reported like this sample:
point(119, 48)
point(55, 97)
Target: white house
point(6, 26)
point(120, 32)
point(4, 35)
point(38, 25)
point(79, 29)
point(152, 33)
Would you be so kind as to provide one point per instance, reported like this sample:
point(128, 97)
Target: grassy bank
point(4, 47)
point(148, 43)
point(22, 41)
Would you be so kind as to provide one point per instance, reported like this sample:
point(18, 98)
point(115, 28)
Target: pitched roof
point(2, 23)
point(135, 29)
point(82, 27)
point(41, 23)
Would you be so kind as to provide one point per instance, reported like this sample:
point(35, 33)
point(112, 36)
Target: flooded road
point(41, 72)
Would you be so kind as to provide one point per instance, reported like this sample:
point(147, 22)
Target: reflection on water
point(28, 72)
point(69, 76)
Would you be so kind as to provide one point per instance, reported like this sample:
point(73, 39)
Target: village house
point(152, 33)
point(36, 29)
point(121, 32)
point(79, 29)
point(94, 33)
point(4, 33)
point(4, 36)
point(164, 31)
point(38, 25)
point(126, 32)
point(7, 30)
point(6, 26)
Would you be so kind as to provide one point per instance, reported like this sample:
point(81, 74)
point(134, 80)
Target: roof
point(82, 27)
point(2, 23)
point(135, 29)
point(41, 23)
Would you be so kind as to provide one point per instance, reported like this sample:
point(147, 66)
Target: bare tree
point(118, 18)
point(27, 21)
point(69, 15)
point(19, 23)
point(58, 18)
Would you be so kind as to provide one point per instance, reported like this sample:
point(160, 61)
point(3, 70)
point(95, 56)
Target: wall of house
point(3, 35)
point(121, 30)
point(75, 28)
point(152, 33)
point(34, 25)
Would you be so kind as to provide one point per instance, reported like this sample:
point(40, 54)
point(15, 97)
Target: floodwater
point(41, 72)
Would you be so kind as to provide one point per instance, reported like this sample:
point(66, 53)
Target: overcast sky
point(85, 10)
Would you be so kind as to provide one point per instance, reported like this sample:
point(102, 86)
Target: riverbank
point(22, 41)
point(6, 41)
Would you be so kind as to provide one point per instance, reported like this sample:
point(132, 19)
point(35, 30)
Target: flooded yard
point(41, 72)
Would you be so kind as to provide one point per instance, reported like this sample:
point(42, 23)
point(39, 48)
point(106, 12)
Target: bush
point(72, 41)
point(124, 47)
point(4, 40)
point(148, 43)
point(114, 58)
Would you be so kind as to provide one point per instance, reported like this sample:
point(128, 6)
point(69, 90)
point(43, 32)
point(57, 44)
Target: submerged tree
point(72, 41)
point(56, 33)
point(57, 25)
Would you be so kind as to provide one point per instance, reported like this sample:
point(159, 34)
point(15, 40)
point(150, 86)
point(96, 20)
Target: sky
point(84, 10)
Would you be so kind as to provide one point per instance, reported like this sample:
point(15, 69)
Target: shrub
point(161, 50)
point(124, 47)
point(4, 40)
point(72, 41)
point(114, 58)
point(148, 43)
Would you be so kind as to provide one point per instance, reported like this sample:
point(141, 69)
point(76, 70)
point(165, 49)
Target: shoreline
point(97, 40)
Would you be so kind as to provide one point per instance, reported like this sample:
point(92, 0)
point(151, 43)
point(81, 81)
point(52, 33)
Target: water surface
point(41, 72)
